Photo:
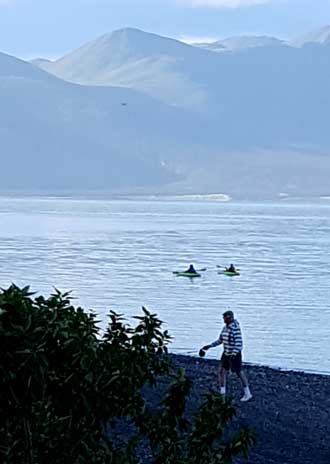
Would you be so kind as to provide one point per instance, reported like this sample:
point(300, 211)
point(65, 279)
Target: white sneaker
point(246, 397)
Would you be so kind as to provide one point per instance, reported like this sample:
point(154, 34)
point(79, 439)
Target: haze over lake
point(119, 254)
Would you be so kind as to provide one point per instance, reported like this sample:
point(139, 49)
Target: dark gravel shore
point(290, 411)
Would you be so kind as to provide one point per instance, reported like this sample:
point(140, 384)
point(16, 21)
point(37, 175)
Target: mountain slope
point(264, 98)
point(60, 135)
point(261, 125)
point(135, 59)
point(318, 37)
point(240, 43)
point(273, 88)
point(40, 62)
point(212, 46)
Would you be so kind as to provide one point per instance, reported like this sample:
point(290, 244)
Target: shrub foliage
point(71, 394)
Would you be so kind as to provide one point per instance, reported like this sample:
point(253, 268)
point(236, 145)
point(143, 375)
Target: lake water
point(119, 254)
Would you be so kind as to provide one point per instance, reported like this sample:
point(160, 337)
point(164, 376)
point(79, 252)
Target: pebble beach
point(290, 411)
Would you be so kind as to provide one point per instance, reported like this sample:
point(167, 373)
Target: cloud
point(222, 3)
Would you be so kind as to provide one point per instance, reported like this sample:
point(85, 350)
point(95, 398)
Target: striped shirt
point(231, 337)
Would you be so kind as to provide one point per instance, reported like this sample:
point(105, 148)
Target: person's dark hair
point(228, 313)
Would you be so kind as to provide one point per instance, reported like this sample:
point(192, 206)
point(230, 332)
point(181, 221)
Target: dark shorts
point(232, 363)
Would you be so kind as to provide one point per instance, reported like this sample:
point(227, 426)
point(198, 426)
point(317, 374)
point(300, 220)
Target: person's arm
point(238, 341)
point(212, 345)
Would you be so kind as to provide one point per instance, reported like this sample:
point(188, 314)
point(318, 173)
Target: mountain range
point(134, 111)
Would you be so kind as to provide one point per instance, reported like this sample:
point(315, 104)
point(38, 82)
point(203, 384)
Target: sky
point(51, 28)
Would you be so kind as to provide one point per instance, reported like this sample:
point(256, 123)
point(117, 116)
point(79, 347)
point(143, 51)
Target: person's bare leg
point(222, 380)
point(242, 376)
point(247, 393)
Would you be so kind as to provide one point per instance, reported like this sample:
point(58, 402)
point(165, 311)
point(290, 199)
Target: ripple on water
point(120, 255)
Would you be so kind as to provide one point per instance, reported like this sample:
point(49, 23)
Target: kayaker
point(231, 268)
point(231, 359)
point(191, 270)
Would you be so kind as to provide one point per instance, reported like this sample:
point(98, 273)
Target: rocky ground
point(290, 411)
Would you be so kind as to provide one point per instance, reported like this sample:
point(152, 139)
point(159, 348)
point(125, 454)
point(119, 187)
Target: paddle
point(197, 270)
point(225, 267)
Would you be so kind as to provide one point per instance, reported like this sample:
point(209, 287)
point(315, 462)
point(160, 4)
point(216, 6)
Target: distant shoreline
point(262, 365)
point(171, 197)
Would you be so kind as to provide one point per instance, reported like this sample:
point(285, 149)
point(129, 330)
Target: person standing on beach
point(231, 359)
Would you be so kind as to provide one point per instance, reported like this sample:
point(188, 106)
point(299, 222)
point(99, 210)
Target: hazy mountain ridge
point(40, 62)
point(188, 76)
point(183, 119)
point(60, 135)
point(134, 59)
point(239, 43)
point(318, 37)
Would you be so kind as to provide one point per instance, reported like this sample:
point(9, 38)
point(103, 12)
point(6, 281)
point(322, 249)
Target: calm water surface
point(120, 254)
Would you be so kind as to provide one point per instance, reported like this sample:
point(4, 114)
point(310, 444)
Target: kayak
point(187, 274)
point(229, 273)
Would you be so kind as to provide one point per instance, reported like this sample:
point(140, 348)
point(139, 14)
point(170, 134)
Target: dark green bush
point(66, 390)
